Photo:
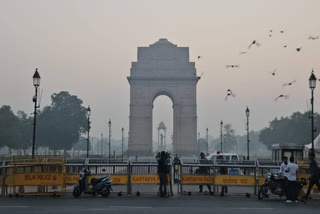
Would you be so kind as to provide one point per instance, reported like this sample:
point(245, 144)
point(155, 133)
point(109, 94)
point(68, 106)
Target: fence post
point(129, 178)
point(3, 188)
point(255, 177)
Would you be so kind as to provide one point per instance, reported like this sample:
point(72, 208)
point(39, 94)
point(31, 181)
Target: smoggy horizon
point(87, 48)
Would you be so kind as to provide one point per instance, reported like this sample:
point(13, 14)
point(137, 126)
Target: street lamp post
point(88, 137)
point(36, 84)
point(247, 128)
point(122, 131)
point(109, 139)
point(198, 142)
point(221, 126)
point(312, 86)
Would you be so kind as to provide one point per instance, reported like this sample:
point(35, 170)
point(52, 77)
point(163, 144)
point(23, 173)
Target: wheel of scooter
point(119, 194)
point(76, 192)
point(106, 193)
point(189, 193)
point(262, 192)
point(138, 193)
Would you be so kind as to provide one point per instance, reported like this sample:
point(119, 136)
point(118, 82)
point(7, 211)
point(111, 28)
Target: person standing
point(163, 171)
point(291, 171)
point(283, 166)
point(204, 170)
point(315, 174)
point(223, 171)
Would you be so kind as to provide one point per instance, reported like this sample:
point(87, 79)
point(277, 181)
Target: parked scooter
point(276, 184)
point(100, 185)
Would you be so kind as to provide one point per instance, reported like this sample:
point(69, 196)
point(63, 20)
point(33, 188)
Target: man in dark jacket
point(315, 174)
point(204, 170)
point(163, 171)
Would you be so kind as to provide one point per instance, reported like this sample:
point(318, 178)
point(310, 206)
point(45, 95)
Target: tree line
point(59, 125)
point(62, 125)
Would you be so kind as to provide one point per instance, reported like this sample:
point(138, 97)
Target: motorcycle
point(276, 184)
point(100, 185)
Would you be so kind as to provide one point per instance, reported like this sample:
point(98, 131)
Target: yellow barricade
point(35, 179)
point(145, 179)
point(116, 179)
point(196, 179)
point(235, 180)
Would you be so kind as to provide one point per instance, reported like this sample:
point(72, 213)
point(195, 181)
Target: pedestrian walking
point(315, 175)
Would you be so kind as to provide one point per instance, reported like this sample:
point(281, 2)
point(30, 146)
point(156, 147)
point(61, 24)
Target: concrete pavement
point(152, 204)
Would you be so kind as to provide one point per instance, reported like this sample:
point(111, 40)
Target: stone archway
point(163, 69)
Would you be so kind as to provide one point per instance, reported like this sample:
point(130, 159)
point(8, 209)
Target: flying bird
point(199, 57)
point(313, 38)
point(254, 42)
point(288, 84)
point(243, 52)
point(298, 49)
point(281, 96)
point(285, 46)
point(281, 31)
point(274, 72)
point(229, 93)
point(232, 66)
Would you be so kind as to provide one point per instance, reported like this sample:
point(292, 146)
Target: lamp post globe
point(312, 81)
point(36, 78)
point(247, 112)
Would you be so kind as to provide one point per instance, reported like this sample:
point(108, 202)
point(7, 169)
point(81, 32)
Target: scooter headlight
point(269, 175)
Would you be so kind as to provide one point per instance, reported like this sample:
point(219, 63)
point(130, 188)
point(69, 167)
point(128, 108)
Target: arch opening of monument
point(162, 121)
point(163, 69)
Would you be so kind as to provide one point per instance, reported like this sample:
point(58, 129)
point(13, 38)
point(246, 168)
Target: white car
point(228, 157)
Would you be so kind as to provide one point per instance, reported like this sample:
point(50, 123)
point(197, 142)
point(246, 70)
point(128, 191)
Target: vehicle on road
point(97, 186)
point(275, 184)
point(227, 157)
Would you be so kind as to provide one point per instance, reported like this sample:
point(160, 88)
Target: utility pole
point(101, 145)
point(109, 139)
point(248, 139)
point(221, 127)
point(122, 131)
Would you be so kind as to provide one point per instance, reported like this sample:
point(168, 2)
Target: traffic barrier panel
point(147, 173)
point(44, 172)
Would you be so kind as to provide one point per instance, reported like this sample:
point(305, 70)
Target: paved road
point(153, 204)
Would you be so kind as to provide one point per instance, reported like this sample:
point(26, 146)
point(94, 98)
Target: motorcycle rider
point(282, 172)
point(283, 166)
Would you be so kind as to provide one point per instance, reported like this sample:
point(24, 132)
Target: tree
point(295, 129)
point(15, 131)
point(60, 125)
point(229, 142)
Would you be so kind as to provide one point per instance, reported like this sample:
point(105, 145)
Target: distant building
point(281, 150)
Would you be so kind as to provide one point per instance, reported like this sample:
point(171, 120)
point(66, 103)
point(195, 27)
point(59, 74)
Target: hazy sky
point(86, 48)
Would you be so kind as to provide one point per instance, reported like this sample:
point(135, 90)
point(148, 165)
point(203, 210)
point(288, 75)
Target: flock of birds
point(231, 94)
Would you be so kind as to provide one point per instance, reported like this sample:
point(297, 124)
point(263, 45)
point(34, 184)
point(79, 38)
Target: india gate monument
point(163, 68)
